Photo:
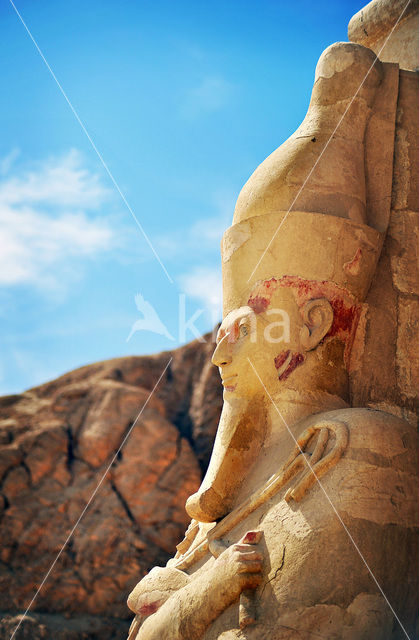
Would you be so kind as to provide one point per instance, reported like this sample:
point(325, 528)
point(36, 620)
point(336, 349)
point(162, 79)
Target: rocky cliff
point(56, 442)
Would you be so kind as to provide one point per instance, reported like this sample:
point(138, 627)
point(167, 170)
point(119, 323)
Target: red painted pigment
point(345, 310)
point(261, 297)
point(296, 360)
point(148, 609)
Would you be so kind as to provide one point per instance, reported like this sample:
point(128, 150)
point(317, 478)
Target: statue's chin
point(206, 506)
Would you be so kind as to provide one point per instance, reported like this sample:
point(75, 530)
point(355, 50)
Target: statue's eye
point(244, 329)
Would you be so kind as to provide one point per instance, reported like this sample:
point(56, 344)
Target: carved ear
point(318, 318)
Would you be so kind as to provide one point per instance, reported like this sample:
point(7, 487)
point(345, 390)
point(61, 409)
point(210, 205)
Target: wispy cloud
point(204, 284)
point(48, 216)
point(58, 182)
point(212, 93)
point(7, 162)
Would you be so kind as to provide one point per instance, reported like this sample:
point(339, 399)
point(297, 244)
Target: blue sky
point(183, 100)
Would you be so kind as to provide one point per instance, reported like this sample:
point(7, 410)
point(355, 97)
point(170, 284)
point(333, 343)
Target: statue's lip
point(226, 382)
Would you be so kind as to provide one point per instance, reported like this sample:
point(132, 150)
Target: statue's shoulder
point(378, 431)
point(375, 476)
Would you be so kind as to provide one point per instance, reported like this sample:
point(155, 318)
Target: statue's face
point(272, 341)
point(235, 347)
point(249, 342)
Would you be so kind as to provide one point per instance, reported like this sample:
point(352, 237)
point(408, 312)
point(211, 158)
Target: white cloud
point(58, 182)
point(44, 222)
point(211, 94)
point(204, 284)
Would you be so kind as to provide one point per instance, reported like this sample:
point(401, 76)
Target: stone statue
point(304, 524)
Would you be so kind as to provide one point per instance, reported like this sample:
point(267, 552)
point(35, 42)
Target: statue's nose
point(222, 353)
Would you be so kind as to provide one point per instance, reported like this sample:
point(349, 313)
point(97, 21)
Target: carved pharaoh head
point(290, 293)
point(284, 319)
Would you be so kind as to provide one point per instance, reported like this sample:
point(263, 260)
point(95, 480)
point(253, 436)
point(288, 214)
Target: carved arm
point(190, 610)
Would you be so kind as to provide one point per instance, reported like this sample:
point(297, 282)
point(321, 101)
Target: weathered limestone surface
point(56, 442)
point(306, 522)
point(388, 377)
point(372, 25)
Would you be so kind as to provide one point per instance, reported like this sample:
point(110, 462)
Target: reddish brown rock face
point(57, 440)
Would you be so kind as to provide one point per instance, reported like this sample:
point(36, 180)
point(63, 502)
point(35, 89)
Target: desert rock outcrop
point(57, 440)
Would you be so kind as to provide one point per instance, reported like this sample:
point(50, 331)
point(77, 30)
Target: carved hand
point(191, 609)
point(240, 566)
